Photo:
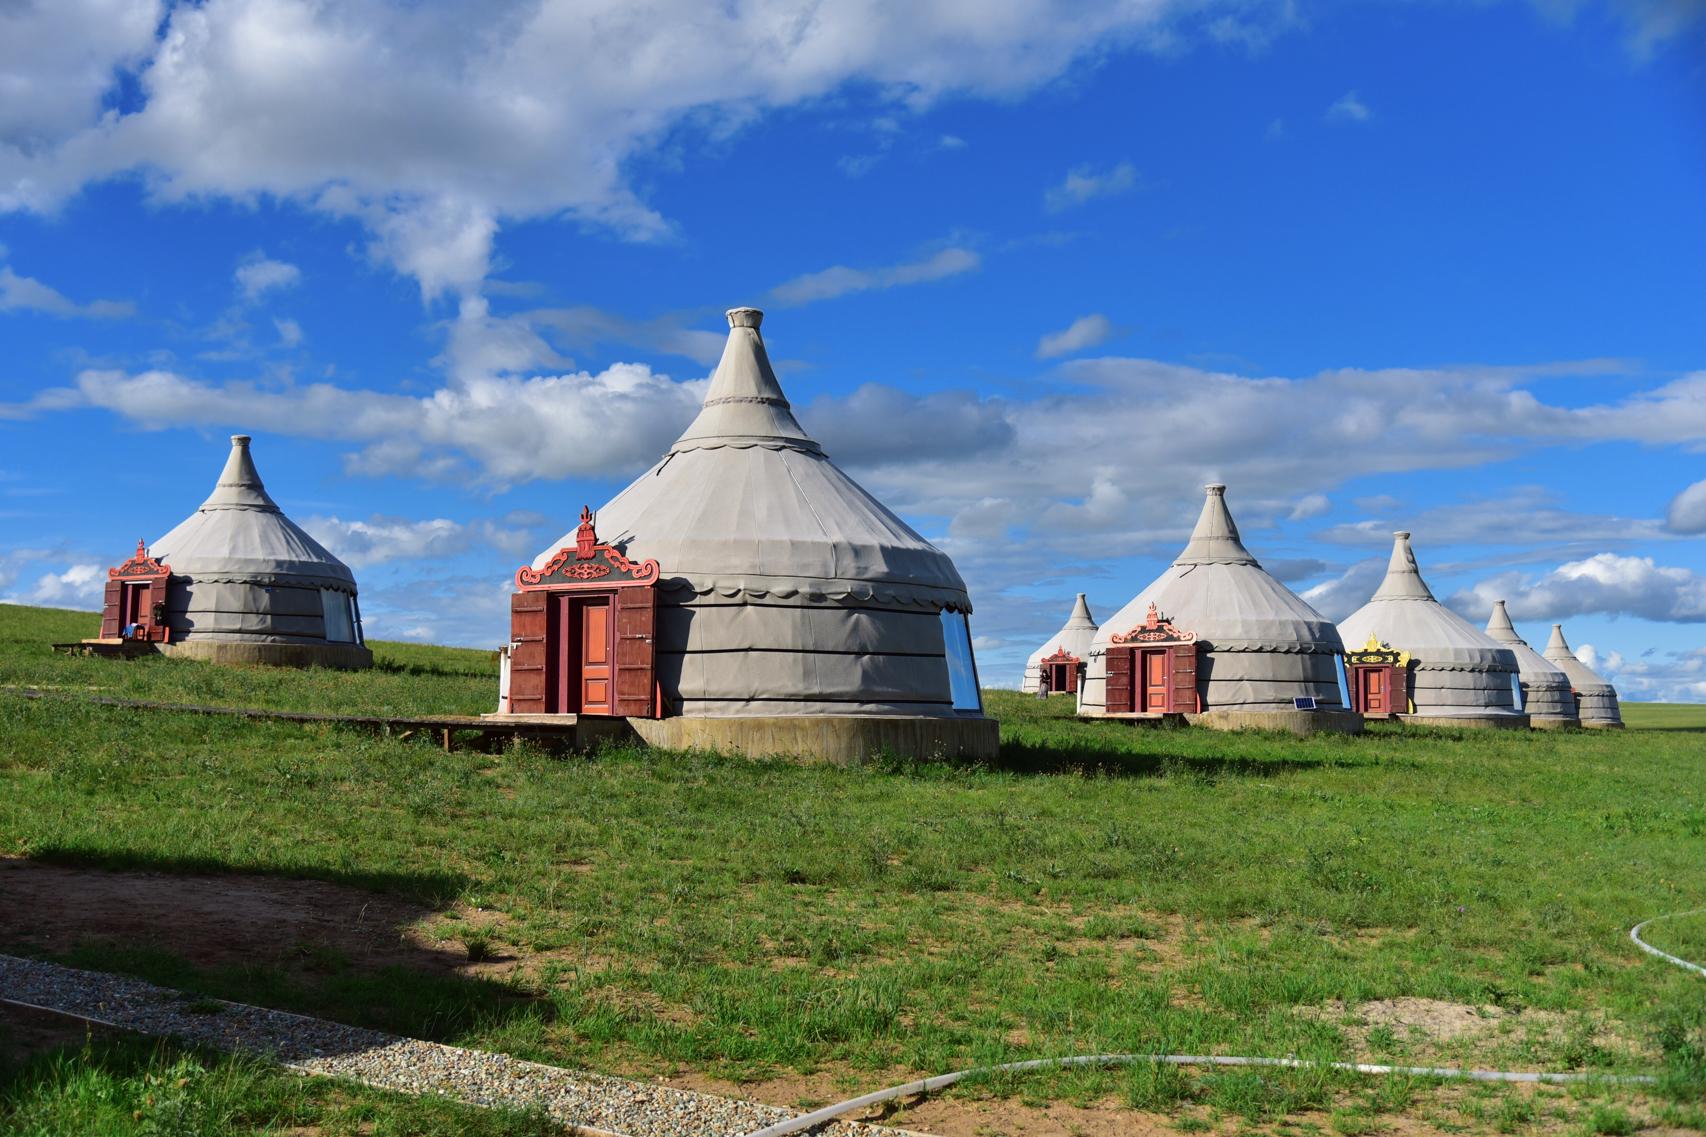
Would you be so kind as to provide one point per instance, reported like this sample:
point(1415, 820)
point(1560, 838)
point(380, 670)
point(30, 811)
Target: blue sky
point(1033, 273)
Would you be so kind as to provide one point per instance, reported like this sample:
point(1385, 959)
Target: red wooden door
point(1156, 681)
point(1183, 664)
point(528, 658)
point(597, 663)
point(636, 652)
point(1373, 691)
point(110, 626)
point(1119, 686)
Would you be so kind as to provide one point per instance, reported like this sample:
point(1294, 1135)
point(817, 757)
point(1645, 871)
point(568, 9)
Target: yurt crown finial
point(1215, 489)
point(240, 440)
point(1401, 534)
point(745, 317)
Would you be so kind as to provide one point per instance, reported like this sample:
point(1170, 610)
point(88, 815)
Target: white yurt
point(1450, 672)
point(1545, 688)
point(1596, 700)
point(1060, 662)
point(746, 594)
point(239, 582)
point(1219, 640)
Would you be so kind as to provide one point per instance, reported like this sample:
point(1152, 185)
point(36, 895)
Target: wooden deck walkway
point(557, 729)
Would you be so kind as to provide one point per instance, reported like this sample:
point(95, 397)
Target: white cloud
point(79, 586)
point(1310, 505)
point(1647, 24)
point(512, 429)
point(381, 539)
point(1687, 513)
point(1083, 333)
point(289, 331)
point(1675, 677)
point(840, 280)
point(1349, 107)
point(951, 142)
point(1084, 183)
point(1519, 515)
point(259, 274)
point(432, 124)
point(1606, 583)
point(1345, 593)
point(26, 294)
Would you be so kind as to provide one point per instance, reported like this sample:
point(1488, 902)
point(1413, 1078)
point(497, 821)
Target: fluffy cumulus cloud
point(1605, 583)
point(79, 586)
point(432, 125)
point(259, 274)
point(1687, 513)
point(1660, 677)
point(1086, 183)
point(506, 428)
point(1082, 334)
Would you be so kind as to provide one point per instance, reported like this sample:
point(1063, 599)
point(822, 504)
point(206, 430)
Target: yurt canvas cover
point(1545, 687)
point(1596, 700)
point(784, 588)
point(1065, 654)
point(1259, 647)
point(243, 572)
point(1456, 671)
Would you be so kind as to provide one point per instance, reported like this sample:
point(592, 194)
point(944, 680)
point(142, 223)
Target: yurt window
point(340, 621)
point(962, 667)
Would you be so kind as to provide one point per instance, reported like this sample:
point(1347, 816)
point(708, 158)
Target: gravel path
point(592, 1102)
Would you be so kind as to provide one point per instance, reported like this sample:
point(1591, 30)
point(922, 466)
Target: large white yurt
point(1412, 657)
point(1218, 640)
point(1546, 692)
point(1596, 700)
point(239, 582)
point(746, 594)
point(1059, 663)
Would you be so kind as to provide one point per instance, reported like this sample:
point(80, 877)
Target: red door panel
point(1120, 683)
point(1156, 680)
point(597, 671)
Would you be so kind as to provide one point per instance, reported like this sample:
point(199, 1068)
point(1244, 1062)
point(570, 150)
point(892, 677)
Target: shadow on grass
point(338, 951)
point(1111, 762)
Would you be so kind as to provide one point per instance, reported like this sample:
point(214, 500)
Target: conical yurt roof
point(1217, 589)
point(1404, 614)
point(240, 534)
point(1582, 677)
point(746, 504)
point(1533, 666)
point(1075, 636)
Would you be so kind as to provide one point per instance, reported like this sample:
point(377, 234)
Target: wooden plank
point(1120, 688)
point(528, 621)
point(1183, 697)
point(636, 647)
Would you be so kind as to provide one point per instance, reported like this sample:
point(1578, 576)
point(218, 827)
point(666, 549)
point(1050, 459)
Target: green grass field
point(782, 925)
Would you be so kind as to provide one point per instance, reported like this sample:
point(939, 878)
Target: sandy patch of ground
point(1435, 1026)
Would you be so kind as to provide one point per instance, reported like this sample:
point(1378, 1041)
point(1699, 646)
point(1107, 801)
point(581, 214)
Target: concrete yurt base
point(339, 657)
point(840, 739)
point(1297, 722)
point(1542, 722)
point(1469, 722)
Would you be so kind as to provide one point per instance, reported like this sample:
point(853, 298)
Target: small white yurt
point(1546, 692)
point(1059, 663)
point(1220, 641)
point(239, 582)
point(1442, 669)
point(1596, 700)
point(746, 594)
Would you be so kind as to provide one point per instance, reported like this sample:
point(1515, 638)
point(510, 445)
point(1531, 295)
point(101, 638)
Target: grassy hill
point(1408, 895)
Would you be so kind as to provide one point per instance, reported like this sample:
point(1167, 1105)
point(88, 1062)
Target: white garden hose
point(943, 1081)
point(1635, 934)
